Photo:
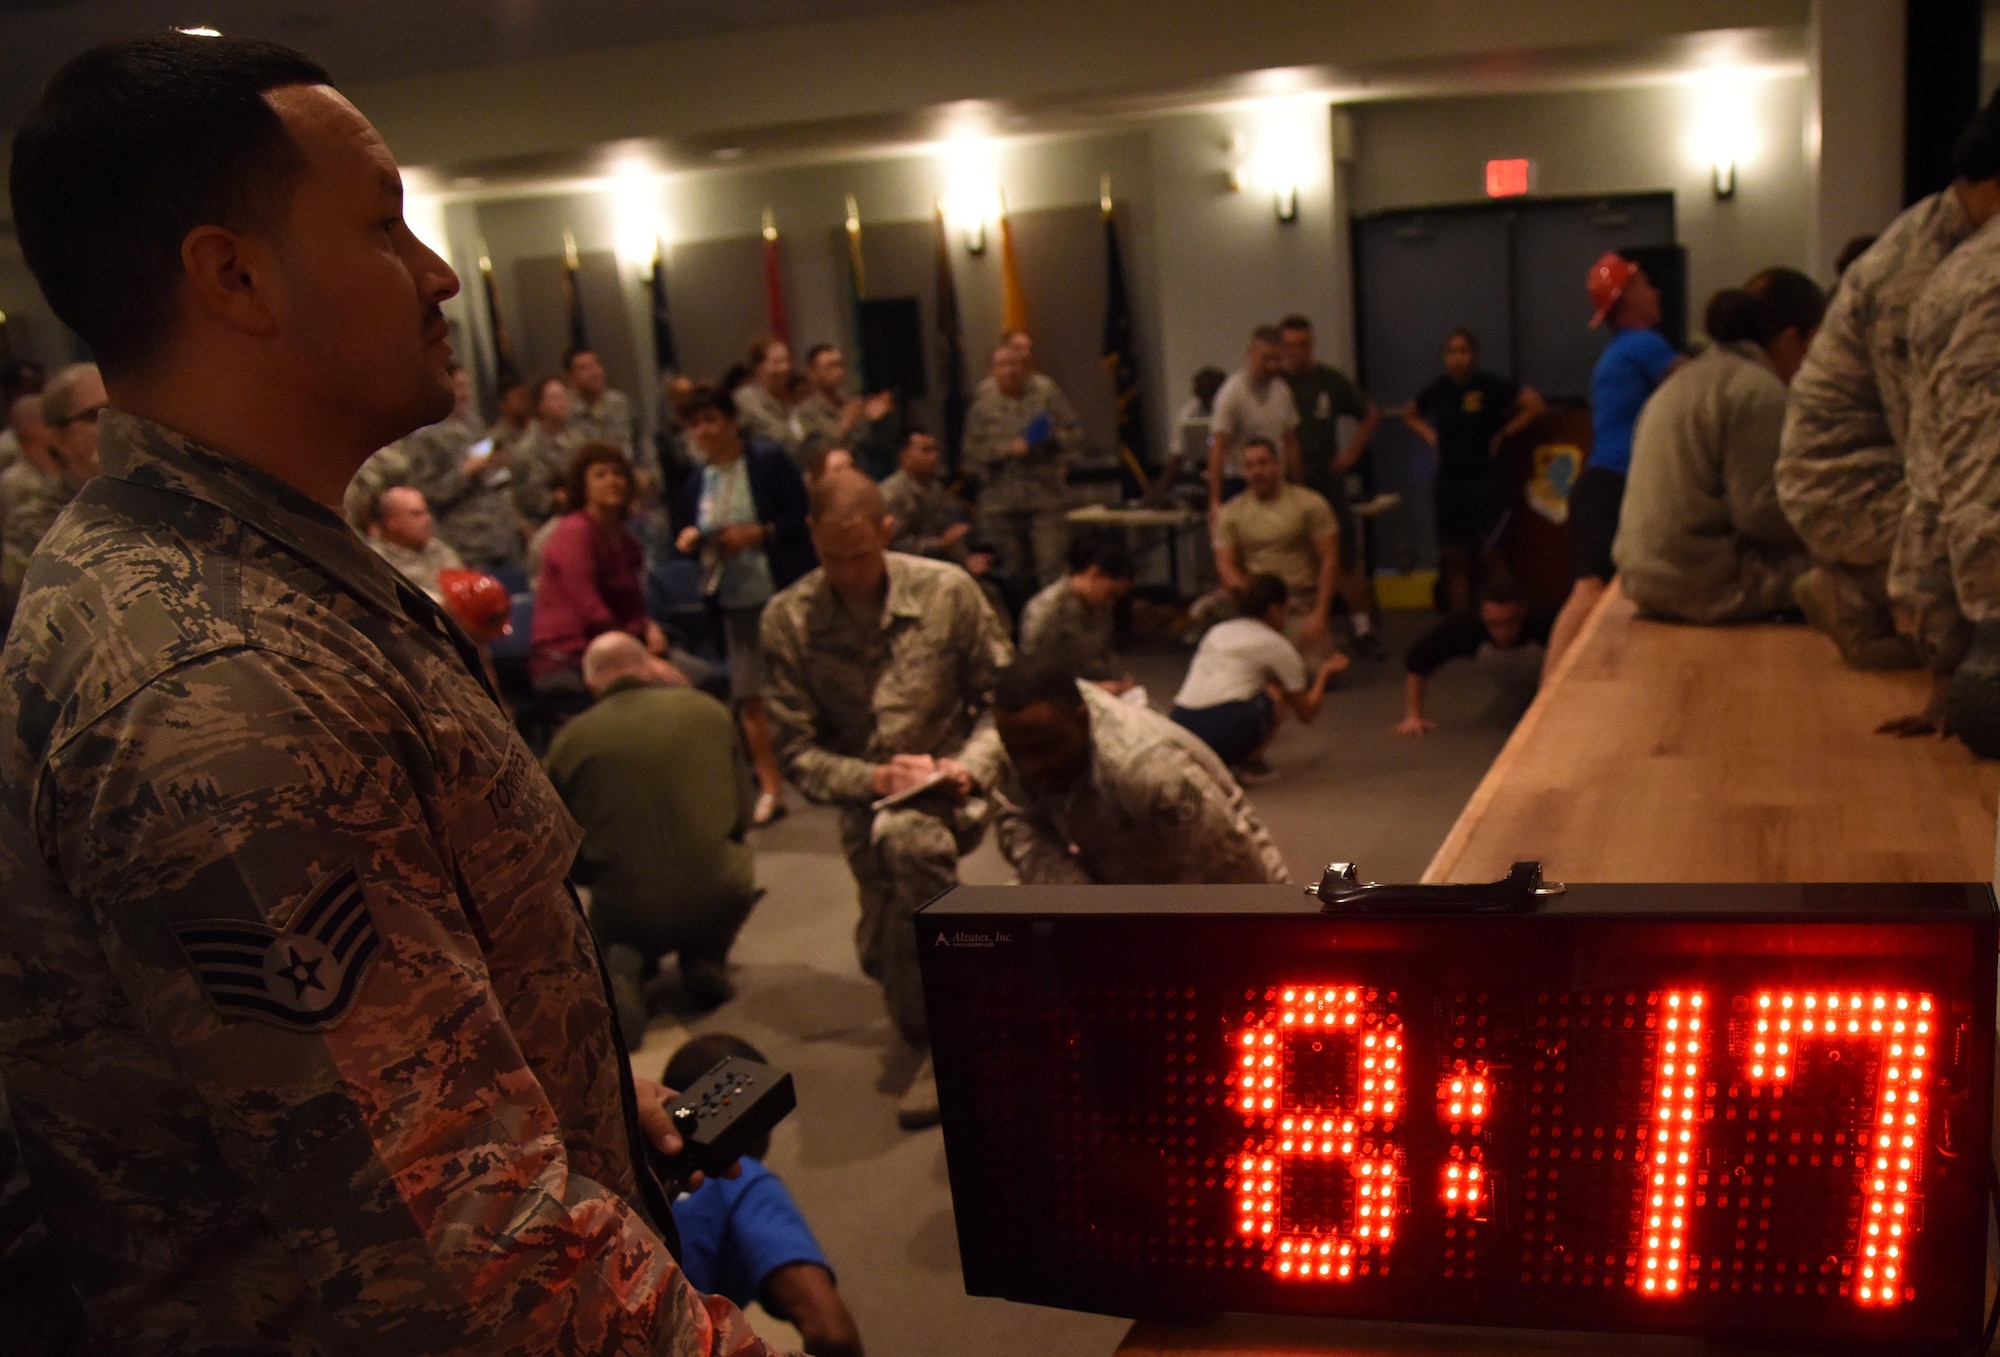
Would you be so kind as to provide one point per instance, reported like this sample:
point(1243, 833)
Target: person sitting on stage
point(1506, 638)
point(1245, 674)
point(1098, 790)
point(1703, 537)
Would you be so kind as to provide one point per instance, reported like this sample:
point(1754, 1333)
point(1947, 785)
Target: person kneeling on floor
point(745, 1238)
point(654, 773)
point(1245, 674)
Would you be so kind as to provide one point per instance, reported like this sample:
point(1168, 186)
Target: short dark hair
point(1263, 593)
point(1024, 683)
point(1460, 332)
point(813, 353)
point(759, 348)
point(1265, 334)
point(706, 397)
point(595, 453)
point(1503, 588)
point(1295, 321)
point(1976, 153)
point(1851, 251)
point(378, 503)
point(576, 351)
point(1208, 381)
point(507, 386)
point(915, 430)
point(698, 1055)
point(1110, 558)
point(542, 385)
point(1260, 442)
point(1771, 302)
point(133, 145)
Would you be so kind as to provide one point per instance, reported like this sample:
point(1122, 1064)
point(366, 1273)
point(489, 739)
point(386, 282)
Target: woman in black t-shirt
point(1466, 415)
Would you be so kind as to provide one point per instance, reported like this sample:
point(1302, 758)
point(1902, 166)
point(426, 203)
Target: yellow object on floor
point(1410, 592)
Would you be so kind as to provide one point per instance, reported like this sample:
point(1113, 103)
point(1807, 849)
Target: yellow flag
point(1013, 304)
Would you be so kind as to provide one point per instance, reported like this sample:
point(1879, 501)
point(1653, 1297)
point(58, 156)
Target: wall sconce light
point(1287, 197)
point(1725, 179)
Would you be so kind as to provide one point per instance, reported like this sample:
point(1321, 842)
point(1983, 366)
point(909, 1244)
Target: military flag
point(774, 285)
point(1119, 358)
point(505, 368)
point(665, 356)
point(951, 348)
point(579, 328)
point(1013, 302)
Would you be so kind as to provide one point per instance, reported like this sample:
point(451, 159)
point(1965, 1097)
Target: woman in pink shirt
point(591, 574)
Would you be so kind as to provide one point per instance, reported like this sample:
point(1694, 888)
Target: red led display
point(1772, 1126)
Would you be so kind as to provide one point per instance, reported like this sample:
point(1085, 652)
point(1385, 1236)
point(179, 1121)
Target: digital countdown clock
point(1759, 1111)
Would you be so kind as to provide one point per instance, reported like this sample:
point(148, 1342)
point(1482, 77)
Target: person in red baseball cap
point(1633, 364)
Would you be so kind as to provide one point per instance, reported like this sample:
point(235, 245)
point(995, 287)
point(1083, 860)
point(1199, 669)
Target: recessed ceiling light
point(728, 153)
point(202, 32)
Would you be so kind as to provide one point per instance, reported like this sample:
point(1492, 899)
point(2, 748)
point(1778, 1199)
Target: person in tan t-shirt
point(1275, 528)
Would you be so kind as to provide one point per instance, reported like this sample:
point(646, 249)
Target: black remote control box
point(723, 1113)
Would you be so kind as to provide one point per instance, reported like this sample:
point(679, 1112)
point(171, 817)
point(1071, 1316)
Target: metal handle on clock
point(1520, 891)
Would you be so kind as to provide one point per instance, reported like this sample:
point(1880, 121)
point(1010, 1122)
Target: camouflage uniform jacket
point(1061, 631)
point(818, 418)
point(608, 419)
point(300, 1023)
point(996, 420)
point(763, 418)
point(388, 466)
point(475, 513)
point(1840, 462)
point(420, 568)
point(846, 693)
point(30, 499)
point(541, 466)
point(1945, 574)
point(923, 514)
point(1156, 808)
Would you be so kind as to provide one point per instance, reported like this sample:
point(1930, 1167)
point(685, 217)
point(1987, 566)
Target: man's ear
point(233, 279)
point(889, 526)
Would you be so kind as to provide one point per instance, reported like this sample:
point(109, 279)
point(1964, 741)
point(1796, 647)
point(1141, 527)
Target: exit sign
point(1508, 178)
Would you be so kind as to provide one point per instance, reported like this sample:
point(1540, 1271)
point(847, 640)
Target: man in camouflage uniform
point(930, 520)
point(1070, 626)
point(597, 413)
point(303, 1033)
point(386, 467)
point(542, 459)
point(1944, 576)
point(1019, 436)
point(1840, 463)
point(34, 490)
point(830, 418)
point(470, 494)
point(880, 664)
point(1099, 790)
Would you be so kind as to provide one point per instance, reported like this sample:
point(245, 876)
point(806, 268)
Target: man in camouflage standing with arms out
point(1840, 471)
point(880, 667)
point(302, 1031)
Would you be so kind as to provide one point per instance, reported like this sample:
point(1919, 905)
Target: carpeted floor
point(1347, 788)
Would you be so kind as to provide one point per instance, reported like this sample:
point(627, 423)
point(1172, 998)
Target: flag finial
point(1104, 194)
point(770, 224)
point(569, 248)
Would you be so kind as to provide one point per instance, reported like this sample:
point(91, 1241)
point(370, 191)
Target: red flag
point(774, 287)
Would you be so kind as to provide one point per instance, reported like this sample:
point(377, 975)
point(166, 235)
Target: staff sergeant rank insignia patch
point(303, 978)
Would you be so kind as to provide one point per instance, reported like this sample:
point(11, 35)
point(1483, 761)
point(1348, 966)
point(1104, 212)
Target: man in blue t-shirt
point(1632, 365)
point(744, 1238)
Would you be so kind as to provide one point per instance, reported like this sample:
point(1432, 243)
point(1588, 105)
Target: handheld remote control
point(722, 1114)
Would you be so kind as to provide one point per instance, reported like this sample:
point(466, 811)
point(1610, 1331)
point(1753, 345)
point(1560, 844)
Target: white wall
point(1431, 151)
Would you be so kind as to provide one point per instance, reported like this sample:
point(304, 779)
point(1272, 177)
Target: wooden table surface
point(1668, 753)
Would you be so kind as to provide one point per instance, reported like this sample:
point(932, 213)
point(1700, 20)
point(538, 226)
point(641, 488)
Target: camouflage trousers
point(902, 858)
point(1760, 588)
point(1031, 545)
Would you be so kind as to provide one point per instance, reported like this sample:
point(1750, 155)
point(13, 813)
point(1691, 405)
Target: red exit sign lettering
point(1508, 178)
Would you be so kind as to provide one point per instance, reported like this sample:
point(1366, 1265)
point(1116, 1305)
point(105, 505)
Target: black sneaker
point(1369, 646)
